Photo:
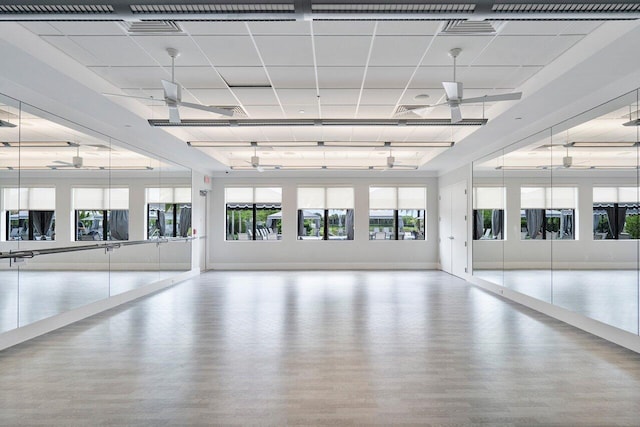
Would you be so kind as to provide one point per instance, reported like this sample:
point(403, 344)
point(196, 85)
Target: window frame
point(255, 206)
point(326, 212)
point(396, 212)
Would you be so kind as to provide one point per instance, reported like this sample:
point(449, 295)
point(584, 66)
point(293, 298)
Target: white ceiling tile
point(156, 47)
point(292, 77)
point(72, 49)
point(113, 50)
point(388, 77)
point(431, 77)
point(89, 28)
point(398, 50)
point(214, 28)
point(297, 96)
point(343, 27)
point(375, 111)
point(244, 76)
point(490, 77)
point(540, 50)
point(41, 28)
point(149, 77)
point(307, 133)
point(256, 96)
point(471, 47)
point(340, 77)
point(310, 111)
point(339, 96)
point(280, 28)
point(581, 27)
point(417, 28)
point(335, 133)
point(341, 50)
point(233, 51)
point(380, 96)
point(285, 50)
point(409, 96)
point(533, 28)
point(338, 111)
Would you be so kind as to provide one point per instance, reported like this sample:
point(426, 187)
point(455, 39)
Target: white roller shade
point(488, 198)
point(101, 198)
point(412, 198)
point(605, 195)
point(628, 195)
point(311, 198)
point(35, 199)
point(548, 198)
point(169, 195)
point(532, 198)
point(239, 195)
point(562, 198)
point(340, 198)
point(383, 198)
point(268, 195)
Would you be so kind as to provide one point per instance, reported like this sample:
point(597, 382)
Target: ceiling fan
point(76, 162)
point(392, 164)
point(173, 96)
point(454, 97)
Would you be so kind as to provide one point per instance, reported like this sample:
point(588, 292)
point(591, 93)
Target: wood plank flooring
point(320, 348)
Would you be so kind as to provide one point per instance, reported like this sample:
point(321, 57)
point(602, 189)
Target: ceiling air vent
point(151, 27)
point(212, 8)
point(470, 28)
point(33, 9)
point(394, 8)
point(566, 7)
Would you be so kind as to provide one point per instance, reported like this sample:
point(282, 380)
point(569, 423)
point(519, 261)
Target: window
point(168, 212)
point(101, 213)
point(254, 213)
point(397, 213)
point(548, 212)
point(325, 213)
point(616, 213)
point(30, 213)
point(488, 213)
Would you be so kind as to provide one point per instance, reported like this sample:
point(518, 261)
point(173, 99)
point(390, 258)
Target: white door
point(453, 228)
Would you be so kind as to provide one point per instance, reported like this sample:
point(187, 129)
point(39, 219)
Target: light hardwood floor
point(319, 348)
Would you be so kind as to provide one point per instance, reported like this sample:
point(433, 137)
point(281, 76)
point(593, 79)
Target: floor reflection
point(320, 348)
point(610, 296)
point(34, 295)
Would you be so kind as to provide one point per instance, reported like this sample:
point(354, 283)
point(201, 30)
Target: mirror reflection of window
point(29, 213)
point(616, 213)
point(101, 213)
point(168, 212)
point(548, 213)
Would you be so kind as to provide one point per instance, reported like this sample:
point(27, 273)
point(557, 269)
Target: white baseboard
point(41, 327)
point(322, 266)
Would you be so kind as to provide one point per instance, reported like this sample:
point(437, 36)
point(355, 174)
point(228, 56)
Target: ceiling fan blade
point(493, 98)
point(453, 90)
point(456, 115)
point(61, 162)
point(174, 115)
point(146, 98)
point(171, 90)
point(222, 111)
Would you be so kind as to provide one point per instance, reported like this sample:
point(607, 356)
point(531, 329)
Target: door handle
point(450, 237)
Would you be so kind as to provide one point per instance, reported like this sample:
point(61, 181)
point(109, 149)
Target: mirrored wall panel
point(82, 216)
point(571, 215)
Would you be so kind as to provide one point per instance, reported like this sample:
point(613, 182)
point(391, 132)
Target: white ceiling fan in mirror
point(454, 96)
point(173, 96)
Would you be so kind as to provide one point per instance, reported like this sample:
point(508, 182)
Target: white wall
point(169, 256)
point(583, 253)
point(290, 253)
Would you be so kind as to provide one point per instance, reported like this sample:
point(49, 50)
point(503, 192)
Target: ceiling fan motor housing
point(77, 161)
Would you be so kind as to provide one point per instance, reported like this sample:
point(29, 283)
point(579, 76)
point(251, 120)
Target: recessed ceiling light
point(301, 111)
point(421, 96)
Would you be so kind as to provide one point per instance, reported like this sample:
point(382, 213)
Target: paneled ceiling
point(361, 70)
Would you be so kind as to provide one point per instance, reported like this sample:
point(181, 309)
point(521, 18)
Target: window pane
point(605, 195)
point(616, 221)
point(117, 198)
point(562, 197)
point(383, 198)
point(488, 198)
point(310, 224)
point(532, 198)
point(88, 198)
point(268, 195)
point(488, 224)
point(17, 225)
point(239, 222)
point(411, 224)
point(89, 225)
point(382, 224)
point(340, 224)
point(43, 223)
point(155, 223)
point(268, 221)
point(559, 224)
point(118, 224)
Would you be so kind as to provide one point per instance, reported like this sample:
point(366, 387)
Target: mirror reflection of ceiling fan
point(173, 96)
point(454, 97)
